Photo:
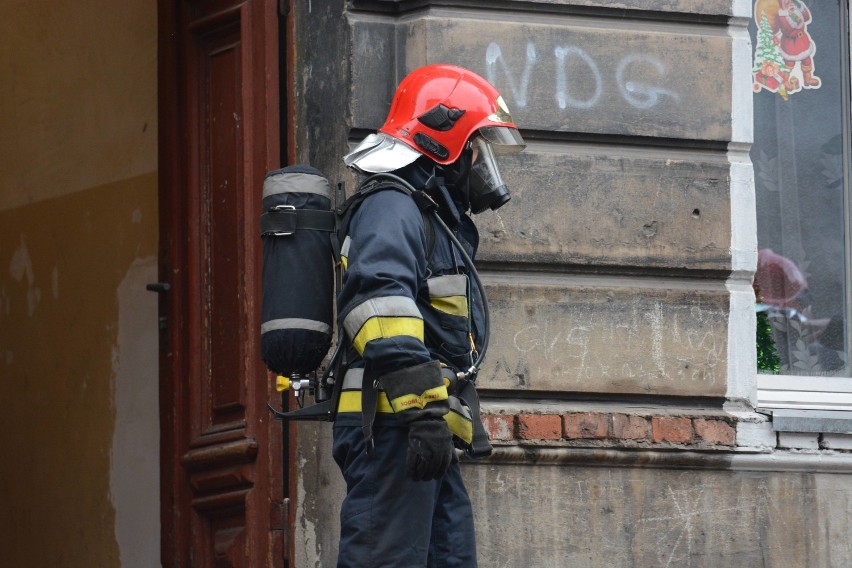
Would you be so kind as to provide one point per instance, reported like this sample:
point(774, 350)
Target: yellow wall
point(77, 96)
point(78, 241)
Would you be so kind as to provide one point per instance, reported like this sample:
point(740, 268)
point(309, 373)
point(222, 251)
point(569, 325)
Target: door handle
point(159, 287)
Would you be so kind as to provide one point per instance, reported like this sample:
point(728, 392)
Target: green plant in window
point(767, 357)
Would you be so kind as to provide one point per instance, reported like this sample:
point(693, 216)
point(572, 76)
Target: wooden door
point(223, 498)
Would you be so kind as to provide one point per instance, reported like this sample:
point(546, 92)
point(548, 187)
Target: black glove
point(418, 396)
point(430, 449)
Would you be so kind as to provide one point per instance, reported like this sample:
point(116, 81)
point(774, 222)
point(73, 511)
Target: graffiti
point(642, 95)
point(678, 527)
point(645, 346)
point(562, 97)
point(638, 94)
point(558, 345)
point(493, 55)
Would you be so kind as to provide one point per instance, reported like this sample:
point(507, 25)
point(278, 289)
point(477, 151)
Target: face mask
point(487, 190)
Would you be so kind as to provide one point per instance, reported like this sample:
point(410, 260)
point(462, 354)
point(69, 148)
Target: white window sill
point(804, 393)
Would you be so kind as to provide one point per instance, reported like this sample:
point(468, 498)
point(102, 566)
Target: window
point(801, 157)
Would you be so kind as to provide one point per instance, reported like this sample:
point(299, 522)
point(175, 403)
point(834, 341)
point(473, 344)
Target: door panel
point(220, 236)
point(223, 492)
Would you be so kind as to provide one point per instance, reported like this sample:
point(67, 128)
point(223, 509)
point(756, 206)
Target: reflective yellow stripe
point(448, 294)
point(385, 316)
point(407, 401)
point(382, 327)
point(460, 426)
point(345, 262)
point(453, 305)
point(350, 401)
point(382, 306)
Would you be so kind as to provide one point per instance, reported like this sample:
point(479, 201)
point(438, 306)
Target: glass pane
point(800, 151)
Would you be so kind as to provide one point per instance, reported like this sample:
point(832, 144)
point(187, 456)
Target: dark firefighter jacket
point(406, 298)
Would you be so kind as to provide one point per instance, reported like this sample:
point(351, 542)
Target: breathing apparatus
point(301, 236)
point(459, 123)
point(476, 178)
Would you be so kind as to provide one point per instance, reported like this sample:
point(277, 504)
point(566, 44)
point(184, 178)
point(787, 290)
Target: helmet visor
point(504, 140)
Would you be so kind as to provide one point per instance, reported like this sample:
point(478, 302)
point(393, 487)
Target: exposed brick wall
point(585, 425)
point(501, 428)
point(714, 431)
point(605, 429)
point(671, 429)
point(627, 427)
point(539, 427)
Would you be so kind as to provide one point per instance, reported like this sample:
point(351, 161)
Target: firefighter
point(415, 321)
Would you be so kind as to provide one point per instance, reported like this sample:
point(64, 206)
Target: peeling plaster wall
point(78, 243)
point(65, 334)
point(135, 467)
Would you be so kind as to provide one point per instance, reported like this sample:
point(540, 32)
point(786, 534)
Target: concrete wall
point(78, 243)
point(600, 517)
point(620, 382)
point(620, 231)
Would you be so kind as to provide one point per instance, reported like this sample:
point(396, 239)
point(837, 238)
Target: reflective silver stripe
point(449, 285)
point(344, 250)
point(296, 183)
point(387, 306)
point(295, 323)
point(353, 379)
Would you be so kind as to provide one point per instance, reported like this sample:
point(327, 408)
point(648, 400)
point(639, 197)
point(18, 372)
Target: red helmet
point(438, 108)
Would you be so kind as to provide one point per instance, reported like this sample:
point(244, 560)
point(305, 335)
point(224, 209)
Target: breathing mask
point(486, 189)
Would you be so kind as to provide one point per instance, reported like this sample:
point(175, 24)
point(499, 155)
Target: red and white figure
point(786, 65)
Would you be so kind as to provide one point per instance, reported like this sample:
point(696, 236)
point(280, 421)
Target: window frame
point(814, 392)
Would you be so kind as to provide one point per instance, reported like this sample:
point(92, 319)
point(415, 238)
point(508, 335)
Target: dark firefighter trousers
point(390, 521)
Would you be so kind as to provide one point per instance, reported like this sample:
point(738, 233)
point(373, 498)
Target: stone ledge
point(779, 461)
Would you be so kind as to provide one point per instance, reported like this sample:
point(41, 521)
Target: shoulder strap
point(379, 182)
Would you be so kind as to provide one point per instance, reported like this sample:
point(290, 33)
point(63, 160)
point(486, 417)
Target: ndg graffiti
point(638, 94)
point(784, 54)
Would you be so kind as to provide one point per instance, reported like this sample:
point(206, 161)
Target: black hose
point(473, 272)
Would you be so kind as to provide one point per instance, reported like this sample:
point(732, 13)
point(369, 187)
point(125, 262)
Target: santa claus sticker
point(784, 54)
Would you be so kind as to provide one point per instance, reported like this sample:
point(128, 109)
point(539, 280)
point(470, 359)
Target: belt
point(458, 418)
point(350, 395)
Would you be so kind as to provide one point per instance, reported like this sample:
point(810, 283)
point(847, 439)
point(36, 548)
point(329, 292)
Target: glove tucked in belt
point(418, 396)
